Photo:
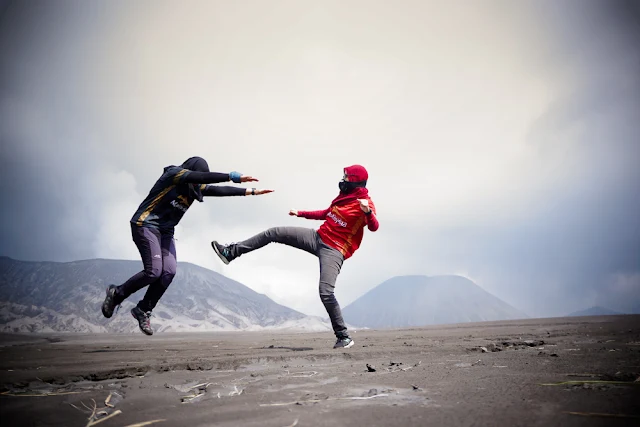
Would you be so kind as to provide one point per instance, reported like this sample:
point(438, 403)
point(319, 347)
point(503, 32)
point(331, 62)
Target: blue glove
point(235, 176)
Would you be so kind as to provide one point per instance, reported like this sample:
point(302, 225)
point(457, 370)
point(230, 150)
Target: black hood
point(196, 164)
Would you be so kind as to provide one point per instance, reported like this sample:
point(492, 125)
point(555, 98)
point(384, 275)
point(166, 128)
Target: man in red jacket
point(335, 241)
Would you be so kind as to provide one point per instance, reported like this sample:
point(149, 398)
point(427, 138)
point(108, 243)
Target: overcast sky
point(501, 137)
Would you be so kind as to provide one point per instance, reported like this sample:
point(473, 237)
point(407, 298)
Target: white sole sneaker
point(222, 258)
point(345, 346)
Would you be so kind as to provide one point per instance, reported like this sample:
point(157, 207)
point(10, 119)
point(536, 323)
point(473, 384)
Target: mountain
point(407, 301)
point(594, 311)
point(66, 297)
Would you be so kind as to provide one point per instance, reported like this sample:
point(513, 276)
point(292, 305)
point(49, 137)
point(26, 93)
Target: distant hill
point(66, 297)
point(407, 301)
point(594, 311)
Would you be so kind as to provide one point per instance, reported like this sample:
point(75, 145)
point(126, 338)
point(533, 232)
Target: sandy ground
point(438, 376)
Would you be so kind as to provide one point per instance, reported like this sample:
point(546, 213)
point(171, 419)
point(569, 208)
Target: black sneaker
point(222, 251)
point(344, 342)
point(109, 303)
point(143, 318)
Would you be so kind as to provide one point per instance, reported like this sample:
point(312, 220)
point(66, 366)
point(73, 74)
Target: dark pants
point(158, 252)
point(308, 240)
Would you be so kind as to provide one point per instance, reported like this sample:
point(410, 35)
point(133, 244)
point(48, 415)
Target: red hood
point(356, 173)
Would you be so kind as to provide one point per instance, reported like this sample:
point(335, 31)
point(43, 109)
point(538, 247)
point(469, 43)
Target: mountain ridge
point(596, 310)
point(418, 300)
point(37, 295)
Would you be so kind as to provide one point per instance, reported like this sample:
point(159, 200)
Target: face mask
point(347, 187)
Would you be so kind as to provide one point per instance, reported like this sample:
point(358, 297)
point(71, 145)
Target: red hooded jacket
point(344, 219)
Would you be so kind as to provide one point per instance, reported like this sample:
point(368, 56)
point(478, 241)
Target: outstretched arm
point(226, 191)
point(310, 214)
point(193, 177)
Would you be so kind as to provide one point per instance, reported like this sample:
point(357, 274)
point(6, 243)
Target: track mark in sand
point(591, 382)
point(231, 364)
point(598, 414)
point(509, 344)
point(387, 396)
point(27, 394)
point(306, 374)
point(146, 423)
point(300, 402)
point(294, 424)
point(271, 347)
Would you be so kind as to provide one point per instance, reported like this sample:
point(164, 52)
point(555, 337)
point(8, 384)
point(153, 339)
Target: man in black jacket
point(152, 228)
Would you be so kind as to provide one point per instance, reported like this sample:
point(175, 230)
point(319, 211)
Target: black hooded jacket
point(176, 189)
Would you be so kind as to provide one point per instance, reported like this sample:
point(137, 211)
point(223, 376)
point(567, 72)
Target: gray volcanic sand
point(436, 376)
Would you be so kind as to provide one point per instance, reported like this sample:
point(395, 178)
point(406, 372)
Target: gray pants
point(308, 240)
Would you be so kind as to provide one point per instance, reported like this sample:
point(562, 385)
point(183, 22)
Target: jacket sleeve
point(372, 219)
point(221, 191)
point(313, 214)
point(185, 176)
